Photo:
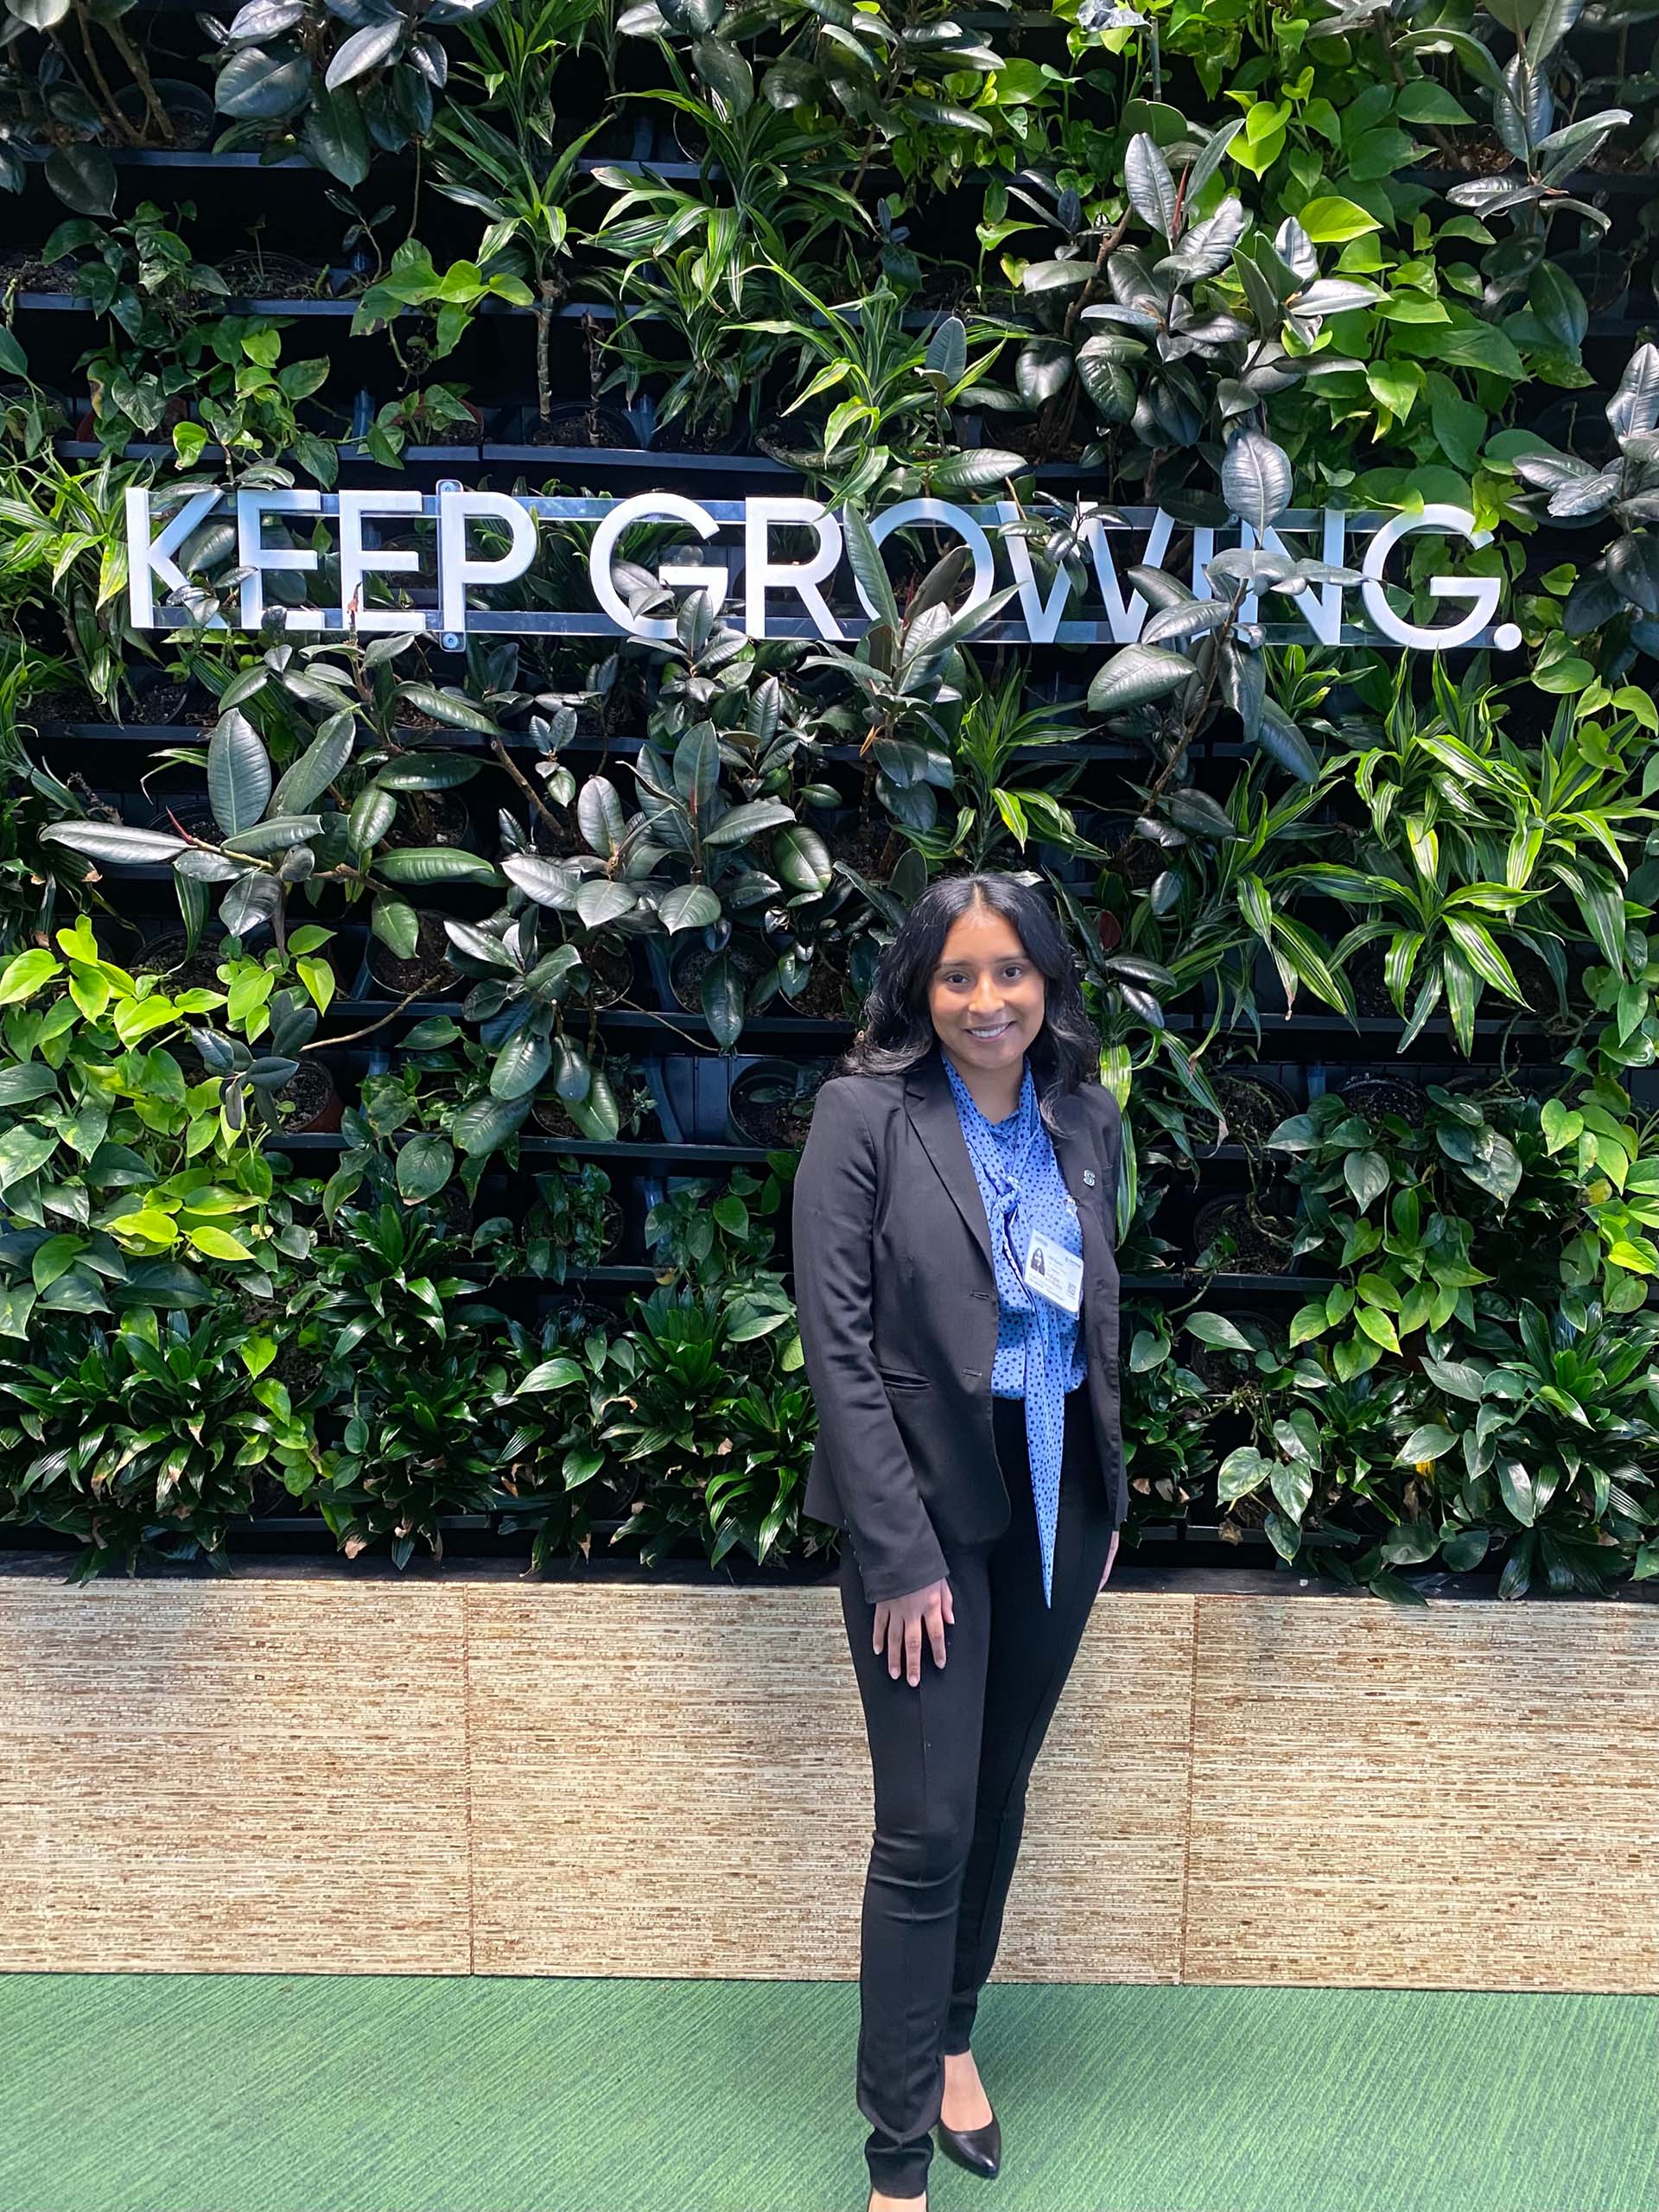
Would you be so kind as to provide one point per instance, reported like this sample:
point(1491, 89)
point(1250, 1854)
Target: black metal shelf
point(626, 1151)
point(461, 740)
point(1192, 1282)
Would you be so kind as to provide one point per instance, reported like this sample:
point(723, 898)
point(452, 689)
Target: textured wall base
point(289, 1773)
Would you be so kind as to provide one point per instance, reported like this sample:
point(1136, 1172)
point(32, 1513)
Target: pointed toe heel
point(979, 2149)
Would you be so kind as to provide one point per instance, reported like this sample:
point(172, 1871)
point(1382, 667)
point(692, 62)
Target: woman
point(957, 1293)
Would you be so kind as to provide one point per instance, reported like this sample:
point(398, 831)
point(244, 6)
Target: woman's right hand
point(900, 1623)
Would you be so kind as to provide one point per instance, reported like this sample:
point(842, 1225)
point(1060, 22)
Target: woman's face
point(986, 996)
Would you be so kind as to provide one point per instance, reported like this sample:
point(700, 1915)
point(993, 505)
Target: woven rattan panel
point(678, 1784)
point(1449, 1796)
point(284, 1773)
point(248, 1776)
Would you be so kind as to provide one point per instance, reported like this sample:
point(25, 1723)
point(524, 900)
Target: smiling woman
point(985, 999)
point(959, 1306)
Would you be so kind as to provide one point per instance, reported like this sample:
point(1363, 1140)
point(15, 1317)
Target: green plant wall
point(404, 1051)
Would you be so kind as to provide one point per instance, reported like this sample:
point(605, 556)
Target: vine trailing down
point(538, 529)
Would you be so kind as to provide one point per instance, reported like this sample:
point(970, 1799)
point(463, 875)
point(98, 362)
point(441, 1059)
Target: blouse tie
point(1037, 1355)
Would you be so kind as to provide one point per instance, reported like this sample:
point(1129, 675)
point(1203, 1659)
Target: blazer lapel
point(1075, 1154)
point(932, 1109)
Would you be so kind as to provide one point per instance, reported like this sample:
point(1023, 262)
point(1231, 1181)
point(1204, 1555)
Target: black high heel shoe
point(979, 2149)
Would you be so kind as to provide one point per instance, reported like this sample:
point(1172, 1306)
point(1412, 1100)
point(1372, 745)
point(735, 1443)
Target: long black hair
point(897, 1031)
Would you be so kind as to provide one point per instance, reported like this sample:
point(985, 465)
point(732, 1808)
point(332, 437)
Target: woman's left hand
point(1110, 1556)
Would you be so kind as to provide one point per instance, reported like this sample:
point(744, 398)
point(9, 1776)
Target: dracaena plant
point(508, 59)
point(142, 1440)
point(1226, 881)
point(521, 191)
point(410, 1352)
point(716, 1430)
point(679, 327)
point(887, 431)
point(63, 565)
point(560, 1383)
point(1475, 841)
point(997, 807)
point(768, 180)
point(1540, 1441)
point(334, 80)
point(904, 83)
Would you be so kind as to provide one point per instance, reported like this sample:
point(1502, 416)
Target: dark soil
point(311, 1093)
point(1260, 1242)
point(164, 702)
point(824, 998)
point(681, 436)
point(1254, 1105)
point(552, 1116)
point(774, 1109)
point(780, 1124)
point(1487, 1084)
point(687, 969)
point(198, 973)
point(191, 810)
point(1374, 1095)
point(1538, 994)
point(579, 426)
point(618, 714)
point(952, 291)
point(1031, 439)
point(452, 1209)
point(272, 1498)
point(429, 967)
point(1480, 154)
point(191, 127)
point(867, 846)
point(67, 703)
point(554, 834)
point(1371, 1000)
point(610, 972)
point(24, 271)
point(1139, 860)
point(430, 818)
point(273, 276)
point(1217, 1371)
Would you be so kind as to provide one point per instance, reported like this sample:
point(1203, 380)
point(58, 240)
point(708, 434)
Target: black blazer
point(896, 1294)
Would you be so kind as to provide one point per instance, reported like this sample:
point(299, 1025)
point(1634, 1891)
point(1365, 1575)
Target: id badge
point(1053, 1273)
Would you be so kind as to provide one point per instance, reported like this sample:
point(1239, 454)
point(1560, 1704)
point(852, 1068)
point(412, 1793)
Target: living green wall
point(404, 1052)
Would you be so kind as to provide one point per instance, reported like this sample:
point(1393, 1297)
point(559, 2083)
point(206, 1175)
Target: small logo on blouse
point(1089, 1177)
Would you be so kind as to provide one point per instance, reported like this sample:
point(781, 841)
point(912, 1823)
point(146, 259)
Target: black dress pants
point(950, 1758)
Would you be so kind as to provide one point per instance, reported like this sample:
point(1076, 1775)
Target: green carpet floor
point(258, 2093)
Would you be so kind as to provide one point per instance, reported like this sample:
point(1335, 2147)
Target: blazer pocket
point(895, 1381)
